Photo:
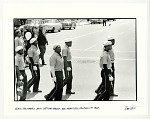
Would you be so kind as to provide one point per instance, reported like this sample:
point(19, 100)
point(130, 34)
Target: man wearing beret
point(57, 66)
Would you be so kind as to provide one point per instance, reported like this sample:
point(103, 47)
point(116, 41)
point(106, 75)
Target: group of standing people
point(106, 88)
point(60, 63)
point(28, 51)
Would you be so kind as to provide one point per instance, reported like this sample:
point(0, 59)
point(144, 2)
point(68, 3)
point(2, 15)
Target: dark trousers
point(42, 49)
point(58, 85)
point(56, 92)
point(69, 76)
point(52, 94)
point(104, 23)
point(23, 97)
point(35, 78)
point(106, 88)
point(113, 75)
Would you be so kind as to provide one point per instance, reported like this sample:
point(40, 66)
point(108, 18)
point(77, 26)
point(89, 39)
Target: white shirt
point(34, 53)
point(19, 61)
point(66, 52)
point(112, 55)
point(56, 61)
point(19, 42)
point(105, 59)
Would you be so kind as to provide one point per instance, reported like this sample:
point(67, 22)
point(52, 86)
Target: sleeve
point(16, 42)
point(105, 59)
point(64, 52)
point(52, 61)
point(16, 61)
point(30, 53)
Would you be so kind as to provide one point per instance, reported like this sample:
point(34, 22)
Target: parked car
point(96, 21)
point(52, 25)
point(68, 23)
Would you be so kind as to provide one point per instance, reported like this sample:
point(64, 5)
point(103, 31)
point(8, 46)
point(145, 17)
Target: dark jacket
point(41, 39)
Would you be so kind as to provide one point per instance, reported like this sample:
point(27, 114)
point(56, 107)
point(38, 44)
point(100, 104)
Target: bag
point(20, 85)
point(20, 91)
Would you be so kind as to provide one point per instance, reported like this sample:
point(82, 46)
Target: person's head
point(18, 33)
point(35, 30)
point(107, 45)
point(19, 50)
point(34, 41)
point(68, 42)
point(41, 28)
point(112, 39)
point(57, 48)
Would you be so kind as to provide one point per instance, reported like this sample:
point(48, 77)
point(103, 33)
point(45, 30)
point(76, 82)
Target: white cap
point(28, 35)
point(107, 43)
point(68, 40)
point(18, 48)
point(54, 47)
point(110, 38)
point(32, 40)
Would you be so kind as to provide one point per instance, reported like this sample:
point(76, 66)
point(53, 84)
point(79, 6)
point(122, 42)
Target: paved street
point(86, 50)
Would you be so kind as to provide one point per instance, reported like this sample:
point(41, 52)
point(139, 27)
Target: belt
point(107, 68)
point(59, 70)
point(68, 60)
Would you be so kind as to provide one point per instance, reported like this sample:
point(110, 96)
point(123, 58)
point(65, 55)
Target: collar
point(33, 46)
point(19, 55)
point(57, 54)
point(67, 46)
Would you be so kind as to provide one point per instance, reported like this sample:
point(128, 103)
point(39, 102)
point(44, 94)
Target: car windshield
point(67, 20)
point(52, 21)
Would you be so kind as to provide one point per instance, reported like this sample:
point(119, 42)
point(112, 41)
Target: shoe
point(46, 97)
point(38, 91)
point(44, 64)
point(96, 91)
point(113, 94)
point(69, 92)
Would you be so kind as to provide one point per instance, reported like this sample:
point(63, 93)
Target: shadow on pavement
point(65, 97)
point(31, 95)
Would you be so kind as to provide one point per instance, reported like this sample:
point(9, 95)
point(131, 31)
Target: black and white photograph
point(75, 59)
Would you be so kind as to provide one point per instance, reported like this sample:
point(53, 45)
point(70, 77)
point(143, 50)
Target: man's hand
point(111, 78)
point(34, 68)
point(54, 79)
point(68, 69)
point(21, 77)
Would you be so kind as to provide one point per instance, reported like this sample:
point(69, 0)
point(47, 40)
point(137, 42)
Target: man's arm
point(65, 62)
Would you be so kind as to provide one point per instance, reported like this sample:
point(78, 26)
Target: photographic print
point(80, 59)
point(86, 80)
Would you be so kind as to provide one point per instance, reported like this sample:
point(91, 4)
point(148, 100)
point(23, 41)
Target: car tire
point(59, 30)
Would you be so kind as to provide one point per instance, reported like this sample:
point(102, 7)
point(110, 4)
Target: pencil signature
point(130, 107)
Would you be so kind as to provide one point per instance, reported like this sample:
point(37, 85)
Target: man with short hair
point(42, 41)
